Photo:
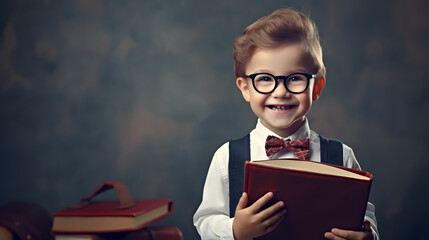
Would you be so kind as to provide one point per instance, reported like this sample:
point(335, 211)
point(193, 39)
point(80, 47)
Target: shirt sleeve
point(351, 162)
point(212, 218)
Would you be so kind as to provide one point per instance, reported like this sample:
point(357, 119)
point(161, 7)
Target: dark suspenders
point(331, 151)
point(239, 152)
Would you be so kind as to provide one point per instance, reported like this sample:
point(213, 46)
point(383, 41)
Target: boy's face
point(280, 111)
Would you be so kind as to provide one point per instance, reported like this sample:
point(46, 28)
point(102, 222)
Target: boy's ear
point(318, 87)
point(243, 85)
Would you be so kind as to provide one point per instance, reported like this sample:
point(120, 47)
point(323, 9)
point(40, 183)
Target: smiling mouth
point(280, 108)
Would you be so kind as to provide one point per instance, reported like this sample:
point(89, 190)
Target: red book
point(156, 233)
point(110, 216)
point(317, 196)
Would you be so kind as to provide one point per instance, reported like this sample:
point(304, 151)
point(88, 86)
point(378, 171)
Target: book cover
point(78, 237)
point(100, 217)
point(156, 233)
point(147, 233)
point(317, 196)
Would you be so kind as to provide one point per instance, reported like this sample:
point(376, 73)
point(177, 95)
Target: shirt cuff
point(229, 235)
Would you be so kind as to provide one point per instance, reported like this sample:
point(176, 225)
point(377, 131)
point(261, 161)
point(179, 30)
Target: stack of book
point(113, 220)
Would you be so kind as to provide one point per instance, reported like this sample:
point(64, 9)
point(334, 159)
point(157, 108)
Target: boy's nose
point(281, 91)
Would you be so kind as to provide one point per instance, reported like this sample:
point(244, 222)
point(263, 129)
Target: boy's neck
point(286, 132)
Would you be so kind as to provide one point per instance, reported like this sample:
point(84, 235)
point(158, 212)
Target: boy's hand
point(339, 234)
point(250, 222)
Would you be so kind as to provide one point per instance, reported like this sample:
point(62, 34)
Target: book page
point(309, 166)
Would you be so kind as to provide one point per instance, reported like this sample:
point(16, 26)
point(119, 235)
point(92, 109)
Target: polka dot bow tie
point(300, 147)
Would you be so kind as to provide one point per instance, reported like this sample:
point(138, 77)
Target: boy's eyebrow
point(261, 71)
point(271, 72)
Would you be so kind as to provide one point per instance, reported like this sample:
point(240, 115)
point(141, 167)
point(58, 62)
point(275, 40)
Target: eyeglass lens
point(295, 83)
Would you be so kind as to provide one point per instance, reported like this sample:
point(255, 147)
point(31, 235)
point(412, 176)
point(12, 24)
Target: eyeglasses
point(266, 83)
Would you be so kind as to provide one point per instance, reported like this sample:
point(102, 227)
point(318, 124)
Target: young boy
point(280, 72)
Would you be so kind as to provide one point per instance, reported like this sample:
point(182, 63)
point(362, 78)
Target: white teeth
point(279, 108)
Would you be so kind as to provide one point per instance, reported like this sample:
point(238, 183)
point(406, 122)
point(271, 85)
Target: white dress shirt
point(212, 218)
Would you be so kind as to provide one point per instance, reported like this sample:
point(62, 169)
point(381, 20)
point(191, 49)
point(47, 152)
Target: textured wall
point(143, 92)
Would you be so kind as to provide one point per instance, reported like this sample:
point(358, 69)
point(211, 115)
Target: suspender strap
point(331, 151)
point(239, 152)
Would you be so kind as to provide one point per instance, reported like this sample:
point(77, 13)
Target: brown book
point(155, 233)
point(110, 216)
point(78, 237)
point(147, 233)
point(317, 196)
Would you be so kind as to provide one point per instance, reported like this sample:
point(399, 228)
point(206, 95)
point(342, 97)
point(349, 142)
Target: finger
point(332, 236)
point(242, 203)
point(367, 226)
point(273, 219)
point(329, 235)
point(345, 234)
point(271, 227)
point(256, 206)
point(266, 213)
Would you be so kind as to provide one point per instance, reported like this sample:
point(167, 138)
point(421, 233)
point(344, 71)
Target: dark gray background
point(143, 92)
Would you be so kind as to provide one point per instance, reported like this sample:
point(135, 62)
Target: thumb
point(242, 203)
point(367, 226)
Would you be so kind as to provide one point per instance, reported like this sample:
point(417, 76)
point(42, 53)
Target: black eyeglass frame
point(277, 78)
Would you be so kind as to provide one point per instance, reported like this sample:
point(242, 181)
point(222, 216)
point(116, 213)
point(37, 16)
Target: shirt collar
point(263, 132)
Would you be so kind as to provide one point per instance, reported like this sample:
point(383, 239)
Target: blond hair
point(283, 26)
